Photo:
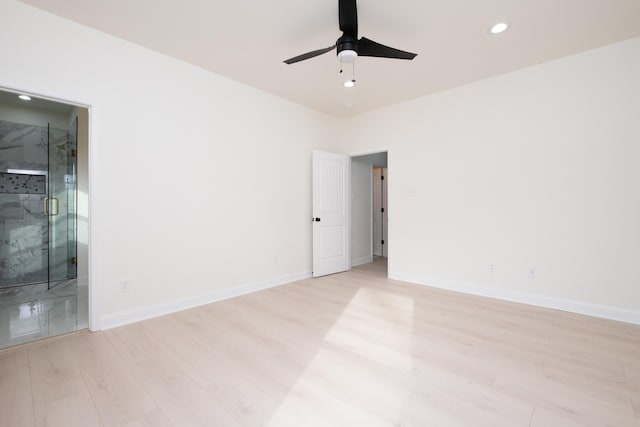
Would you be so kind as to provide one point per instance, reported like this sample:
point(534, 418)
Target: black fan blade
point(348, 16)
point(368, 47)
point(309, 55)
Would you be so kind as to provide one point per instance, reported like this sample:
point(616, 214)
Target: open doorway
point(44, 281)
point(369, 196)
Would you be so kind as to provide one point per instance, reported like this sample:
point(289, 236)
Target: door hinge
point(381, 209)
point(73, 153)
point(382, 177)
point(383, 242)
point(74, 260)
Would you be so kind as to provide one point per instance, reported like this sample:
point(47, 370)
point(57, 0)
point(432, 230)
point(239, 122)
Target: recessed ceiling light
point(350, 83)
point(25, 97)
point(498, 28)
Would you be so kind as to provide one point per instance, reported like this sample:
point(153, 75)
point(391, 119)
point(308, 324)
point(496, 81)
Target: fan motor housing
point(347, 43)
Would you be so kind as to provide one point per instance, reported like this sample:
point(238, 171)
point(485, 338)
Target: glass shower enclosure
point(37, 205)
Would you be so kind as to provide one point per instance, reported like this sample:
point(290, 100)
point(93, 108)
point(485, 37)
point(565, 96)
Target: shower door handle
point(56, 205)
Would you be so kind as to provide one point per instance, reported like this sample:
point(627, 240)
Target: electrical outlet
point(125, 286)
point(492, 268)
point(532, 272)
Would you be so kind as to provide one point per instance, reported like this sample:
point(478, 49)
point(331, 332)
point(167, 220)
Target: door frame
point(93, 147)
point(377, 190)
point(389, 198)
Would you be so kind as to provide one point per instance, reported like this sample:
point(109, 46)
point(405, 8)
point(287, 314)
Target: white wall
point(201, 184)
point(536, 168)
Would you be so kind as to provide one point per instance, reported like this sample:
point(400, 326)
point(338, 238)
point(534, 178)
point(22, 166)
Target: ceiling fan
point(348, 46)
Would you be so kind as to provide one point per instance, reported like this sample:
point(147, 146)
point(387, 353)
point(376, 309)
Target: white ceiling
point(247, 41)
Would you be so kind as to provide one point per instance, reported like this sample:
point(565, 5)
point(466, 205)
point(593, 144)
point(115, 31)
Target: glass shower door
point(60, 205)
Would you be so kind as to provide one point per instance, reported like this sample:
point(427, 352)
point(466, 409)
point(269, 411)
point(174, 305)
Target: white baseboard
point(573, 306)
point(123, 318)
point(363, 260)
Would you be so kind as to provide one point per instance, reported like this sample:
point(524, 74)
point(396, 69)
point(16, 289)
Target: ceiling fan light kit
point(347, 56)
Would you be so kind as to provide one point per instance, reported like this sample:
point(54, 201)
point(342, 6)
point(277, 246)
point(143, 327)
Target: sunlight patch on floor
point(373, 334)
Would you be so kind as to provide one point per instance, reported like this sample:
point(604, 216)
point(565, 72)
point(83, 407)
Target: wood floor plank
point(635, 401)
point(152, 419)
point(632, 371)
point(550, 415)
point(308, 404)
point(60, 395)
point(118, 397)
point(132, 343)
point(183, 401)
point(16, 403)
point(565, 394)
point(72, 410)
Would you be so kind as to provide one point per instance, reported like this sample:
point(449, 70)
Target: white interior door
point(331, 213)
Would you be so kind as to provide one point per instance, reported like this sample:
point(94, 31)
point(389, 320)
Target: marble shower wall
point(24, 235)
point(23, 147)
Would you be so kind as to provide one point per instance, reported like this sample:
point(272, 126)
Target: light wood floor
point(352, 349)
